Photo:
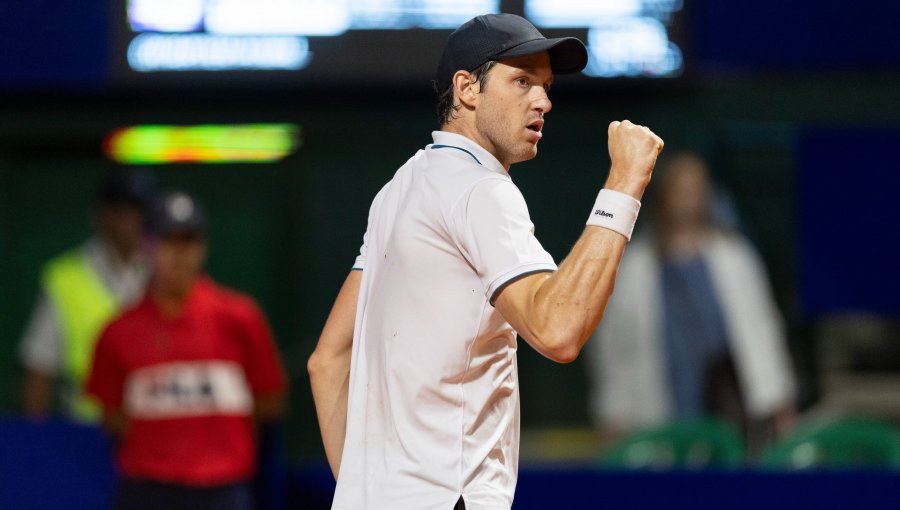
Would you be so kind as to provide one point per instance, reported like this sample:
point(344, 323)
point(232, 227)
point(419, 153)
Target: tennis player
point(414, 376)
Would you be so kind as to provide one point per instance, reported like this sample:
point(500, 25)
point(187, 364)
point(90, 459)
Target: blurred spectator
point(692, 329)
point(181, 377)
point(81, 290)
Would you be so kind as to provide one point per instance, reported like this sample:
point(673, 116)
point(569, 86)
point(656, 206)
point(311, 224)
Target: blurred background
point(285, 118)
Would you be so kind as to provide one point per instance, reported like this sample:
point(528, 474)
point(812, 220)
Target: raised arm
point(557, 312)
point(329, 370)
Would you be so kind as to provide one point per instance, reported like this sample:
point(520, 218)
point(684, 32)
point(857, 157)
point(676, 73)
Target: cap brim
point(567, 54)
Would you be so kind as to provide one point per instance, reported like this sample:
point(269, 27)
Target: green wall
point(287, 233)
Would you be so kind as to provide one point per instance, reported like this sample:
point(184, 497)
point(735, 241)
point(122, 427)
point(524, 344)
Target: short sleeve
point(263, 367)
point(107, 376)
point(360, 262)
point(496, 235)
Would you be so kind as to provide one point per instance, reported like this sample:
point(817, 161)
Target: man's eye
point(522, 81)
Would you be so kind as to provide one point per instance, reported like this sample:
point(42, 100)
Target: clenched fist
point(633, 150)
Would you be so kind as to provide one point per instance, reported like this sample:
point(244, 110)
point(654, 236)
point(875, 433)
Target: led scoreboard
point(625, 37)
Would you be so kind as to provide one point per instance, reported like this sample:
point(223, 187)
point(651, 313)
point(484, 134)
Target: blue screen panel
point(848, 229)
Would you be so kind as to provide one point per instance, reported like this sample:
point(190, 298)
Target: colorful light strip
point(209, 143)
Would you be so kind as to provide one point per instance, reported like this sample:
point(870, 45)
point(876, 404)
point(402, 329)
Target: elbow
point(561, 336)
point(565, 344)
point(564, 355)
point(323, 363)
point(315, 365)
point(563, 347)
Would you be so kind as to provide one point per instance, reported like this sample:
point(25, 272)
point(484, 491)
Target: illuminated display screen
point(330, 38)
point(209, 143)
point(394, 44)
point(625, 37)
point(270, 34)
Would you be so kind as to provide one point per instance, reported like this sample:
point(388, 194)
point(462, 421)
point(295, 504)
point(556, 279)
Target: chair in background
point(845, 443)
point(694, 444)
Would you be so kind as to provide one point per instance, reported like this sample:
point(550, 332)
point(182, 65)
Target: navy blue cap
point(178, 213)
point(125, 188)
point(499, 36)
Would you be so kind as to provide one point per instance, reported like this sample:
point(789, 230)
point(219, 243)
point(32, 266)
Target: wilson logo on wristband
point(615, 211)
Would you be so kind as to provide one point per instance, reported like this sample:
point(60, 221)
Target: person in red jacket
point(184, 377)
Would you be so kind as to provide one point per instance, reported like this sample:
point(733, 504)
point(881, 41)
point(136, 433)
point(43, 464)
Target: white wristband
point(615, 211)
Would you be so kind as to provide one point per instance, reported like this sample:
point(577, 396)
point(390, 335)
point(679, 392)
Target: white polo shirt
point(433, 409)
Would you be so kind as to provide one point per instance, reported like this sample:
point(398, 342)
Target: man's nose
point(542, 102)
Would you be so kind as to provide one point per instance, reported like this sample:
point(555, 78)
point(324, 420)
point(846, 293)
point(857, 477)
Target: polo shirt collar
point(485, 158)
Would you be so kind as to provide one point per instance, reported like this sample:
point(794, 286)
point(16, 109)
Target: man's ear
point(465, 88)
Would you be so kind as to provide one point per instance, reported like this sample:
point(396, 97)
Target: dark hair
point(446, 109)
point(127, 188)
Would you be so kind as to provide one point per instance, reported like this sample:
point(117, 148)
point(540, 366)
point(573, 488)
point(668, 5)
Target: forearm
point(37, 394)
point(116, 423)
point(269, 407)
point(330, 381)
point(568, 304)
point(329, 370)
point(557, 313)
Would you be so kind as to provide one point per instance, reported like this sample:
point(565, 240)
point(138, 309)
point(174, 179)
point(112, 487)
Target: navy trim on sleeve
point(514, 279)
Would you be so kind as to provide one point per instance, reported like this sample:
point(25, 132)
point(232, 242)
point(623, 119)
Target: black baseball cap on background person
point(177, 213)
point(125, 188)
point(499, 36)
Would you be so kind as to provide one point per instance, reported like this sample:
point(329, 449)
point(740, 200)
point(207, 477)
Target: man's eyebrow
point(535, 71)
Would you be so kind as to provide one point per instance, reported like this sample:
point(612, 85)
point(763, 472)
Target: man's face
point(686, 192)
point(122, 226)
point(178, 259)
point(511, 107)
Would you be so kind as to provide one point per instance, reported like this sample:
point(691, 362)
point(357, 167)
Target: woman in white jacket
point(692, 328)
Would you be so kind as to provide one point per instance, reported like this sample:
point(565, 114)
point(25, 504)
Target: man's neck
point(469, 131)
point(170, 302)
point(118, 256)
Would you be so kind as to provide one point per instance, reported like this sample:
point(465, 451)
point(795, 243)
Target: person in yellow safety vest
point(81, 291)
